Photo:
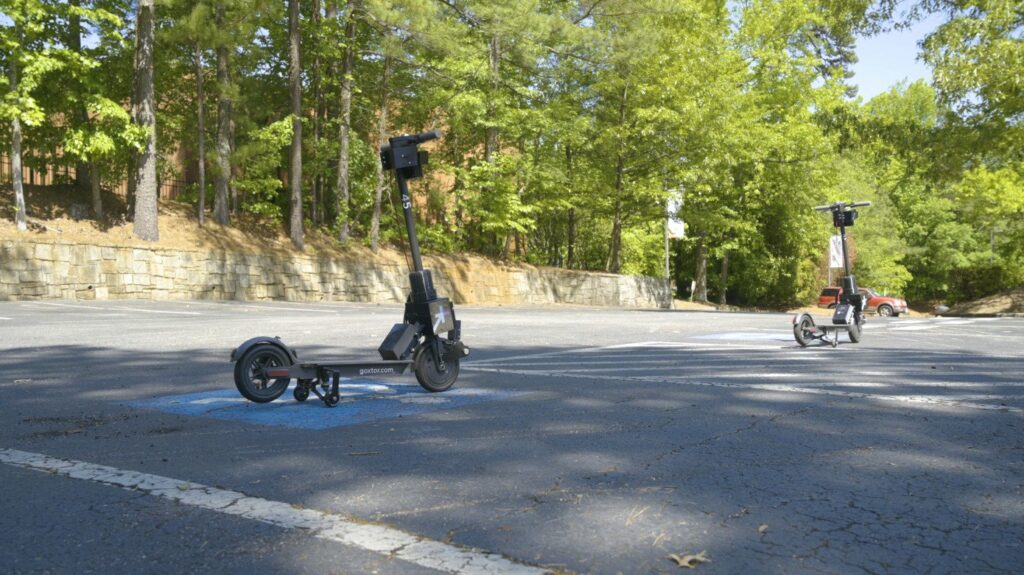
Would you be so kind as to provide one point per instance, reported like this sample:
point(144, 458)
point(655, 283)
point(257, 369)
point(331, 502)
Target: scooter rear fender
point(239, 351)
point(800, 316)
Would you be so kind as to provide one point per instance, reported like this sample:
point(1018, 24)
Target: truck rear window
point(830, 292)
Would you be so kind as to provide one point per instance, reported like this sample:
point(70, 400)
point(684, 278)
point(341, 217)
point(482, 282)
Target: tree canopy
point(568, 125)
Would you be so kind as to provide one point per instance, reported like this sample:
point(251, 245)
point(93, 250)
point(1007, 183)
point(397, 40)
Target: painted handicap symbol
point(361, 402)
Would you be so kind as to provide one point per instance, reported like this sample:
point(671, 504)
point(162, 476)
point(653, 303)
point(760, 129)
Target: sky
point(889, 58)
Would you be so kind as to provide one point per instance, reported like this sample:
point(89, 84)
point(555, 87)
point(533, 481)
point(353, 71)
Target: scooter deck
point(827, 327)
point(344, 369)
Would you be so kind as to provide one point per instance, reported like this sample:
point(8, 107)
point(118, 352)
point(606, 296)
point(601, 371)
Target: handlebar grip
point(841, 205)
point(427, 136)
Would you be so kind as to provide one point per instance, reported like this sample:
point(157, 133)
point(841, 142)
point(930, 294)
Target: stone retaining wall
point(36, 270)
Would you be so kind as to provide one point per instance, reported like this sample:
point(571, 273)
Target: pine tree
point(146, 224)
point(295, 91)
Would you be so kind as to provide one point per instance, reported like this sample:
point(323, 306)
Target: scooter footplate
point(367, 369)
point(353, 369)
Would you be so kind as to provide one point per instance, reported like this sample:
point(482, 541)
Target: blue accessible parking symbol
point(362, 401)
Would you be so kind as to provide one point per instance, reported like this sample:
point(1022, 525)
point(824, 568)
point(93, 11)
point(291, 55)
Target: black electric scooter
point(849, 311)
point(428, 340)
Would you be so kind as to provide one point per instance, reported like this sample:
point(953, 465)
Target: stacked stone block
point(40, 270)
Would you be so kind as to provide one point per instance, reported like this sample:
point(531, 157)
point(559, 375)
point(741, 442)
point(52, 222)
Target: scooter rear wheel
point(431, 378)
point(250, 373)
point(802, 331)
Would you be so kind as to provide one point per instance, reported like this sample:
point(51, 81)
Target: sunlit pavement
point(576, 439)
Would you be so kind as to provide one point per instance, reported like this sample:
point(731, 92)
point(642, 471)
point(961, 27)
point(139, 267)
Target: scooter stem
point(846, 255)
point(410, 222)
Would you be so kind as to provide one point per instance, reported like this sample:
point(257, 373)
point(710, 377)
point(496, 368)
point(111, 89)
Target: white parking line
point(655, 345)
point(682, 380)
point(7, 318)
point(552, 364)
point(51, 304)
point(234, 304)
point(286, 308)
point(117, 308)
point(321, 524)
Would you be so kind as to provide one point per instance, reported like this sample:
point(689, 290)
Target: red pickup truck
point(881, 304)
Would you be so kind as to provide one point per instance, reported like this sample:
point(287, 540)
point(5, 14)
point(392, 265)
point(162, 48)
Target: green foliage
point(643, 250)
point(568, 124)
point(260, 159)
point(497, 189)
point(977, 55)
point(110, 128)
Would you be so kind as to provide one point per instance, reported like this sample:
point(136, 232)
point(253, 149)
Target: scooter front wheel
point(429, 374)
point(251, 377)
point(855, 332)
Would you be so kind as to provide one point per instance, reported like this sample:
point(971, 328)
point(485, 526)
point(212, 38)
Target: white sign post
point(835, 255)
point(835, 252)
point(675, 226)
point(675, 229)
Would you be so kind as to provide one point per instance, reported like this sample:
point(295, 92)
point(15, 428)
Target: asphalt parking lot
point(576, 440)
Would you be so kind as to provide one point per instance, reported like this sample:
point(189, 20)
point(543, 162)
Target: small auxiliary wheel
point(301, 392)
point(431, 378)
point(251, 377)
point(332, 399)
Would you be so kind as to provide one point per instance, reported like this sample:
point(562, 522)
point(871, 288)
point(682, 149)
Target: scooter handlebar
point(413, 139)
point(427, 136)
point(841, 205)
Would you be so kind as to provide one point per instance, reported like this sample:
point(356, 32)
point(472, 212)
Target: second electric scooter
point(849, 312)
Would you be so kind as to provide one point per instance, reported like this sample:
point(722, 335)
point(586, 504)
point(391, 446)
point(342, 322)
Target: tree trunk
point(201, 121)
point(615, 250)
point(294, 82)
point(614, 264)
point(133, 156)
point(220, 200)
point(17, 178)
point(146, 226)
point(700, 290)
point(346, 123)
point(82, 169)
point(570, 259)
point(315, 213)
point(133, 166)
point(232, 190)
point(553, 242)
point(94, 184)
point(724, 277)
point(330, 200)
point(382, 136)
point(494, 59)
